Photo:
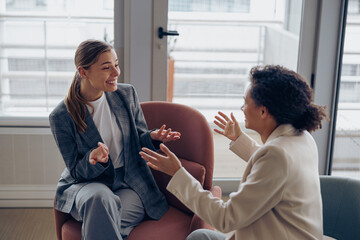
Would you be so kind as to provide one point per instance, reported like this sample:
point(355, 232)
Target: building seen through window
point(217, 47)
point(237, 6)
point(38, 43)
point(346, 153)
point(219, 42)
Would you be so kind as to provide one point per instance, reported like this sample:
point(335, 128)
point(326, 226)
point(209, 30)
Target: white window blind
point(37, 47)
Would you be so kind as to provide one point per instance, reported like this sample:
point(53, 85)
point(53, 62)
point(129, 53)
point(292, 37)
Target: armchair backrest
point(196, 142)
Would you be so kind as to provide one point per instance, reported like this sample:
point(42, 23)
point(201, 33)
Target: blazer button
point(139, 164)
point(152, 186)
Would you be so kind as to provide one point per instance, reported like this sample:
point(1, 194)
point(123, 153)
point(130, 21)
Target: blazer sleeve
point(259, 194)
point(244, 146)
point(141, 126)
point(76, 160)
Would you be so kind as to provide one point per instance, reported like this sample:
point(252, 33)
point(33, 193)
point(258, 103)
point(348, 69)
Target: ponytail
point(86, 55)
point(75, 104)
point(311, 119)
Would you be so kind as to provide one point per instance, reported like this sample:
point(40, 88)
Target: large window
point(37, 47)
point(219, 42)
point(346, 155)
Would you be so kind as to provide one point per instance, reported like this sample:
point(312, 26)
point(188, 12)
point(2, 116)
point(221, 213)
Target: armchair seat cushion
point(71, 229)
point(195, 169)
point(175, 224)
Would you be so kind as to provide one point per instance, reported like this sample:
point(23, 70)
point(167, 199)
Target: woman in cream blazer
point(279, 195)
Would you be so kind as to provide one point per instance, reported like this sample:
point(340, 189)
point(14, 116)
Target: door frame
point(159, 56)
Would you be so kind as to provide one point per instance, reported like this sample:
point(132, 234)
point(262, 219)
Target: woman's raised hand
point(168, 164)
point(165, 135)
point(230, 127)
point(99, 154)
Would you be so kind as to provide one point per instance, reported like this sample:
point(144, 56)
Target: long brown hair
point(86, 55)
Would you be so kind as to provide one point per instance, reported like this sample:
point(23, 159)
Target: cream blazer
point(279, 194)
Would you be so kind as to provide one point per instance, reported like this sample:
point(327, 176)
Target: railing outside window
point(37, 48)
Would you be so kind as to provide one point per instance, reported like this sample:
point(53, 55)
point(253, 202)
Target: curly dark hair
point(287, 96)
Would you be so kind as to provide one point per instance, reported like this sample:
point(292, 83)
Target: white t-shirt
point(105, 122)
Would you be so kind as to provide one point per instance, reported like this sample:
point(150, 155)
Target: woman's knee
point(132, 208)
point(205, 234)
point(96, 194)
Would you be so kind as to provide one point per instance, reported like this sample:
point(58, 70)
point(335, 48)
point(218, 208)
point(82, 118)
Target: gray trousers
point(107, 213)
point(205, 234)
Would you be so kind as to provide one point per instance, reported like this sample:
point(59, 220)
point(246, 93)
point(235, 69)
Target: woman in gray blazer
point(99, 129)
point(279, 194)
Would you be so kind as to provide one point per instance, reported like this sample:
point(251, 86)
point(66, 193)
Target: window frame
point(328, 61)
point(41, 120)
point(320, 46)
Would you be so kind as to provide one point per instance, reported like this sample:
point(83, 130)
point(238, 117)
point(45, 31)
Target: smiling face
point(100, 77)
point(252, 112)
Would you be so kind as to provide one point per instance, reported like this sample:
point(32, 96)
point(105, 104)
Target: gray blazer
point(75, 149)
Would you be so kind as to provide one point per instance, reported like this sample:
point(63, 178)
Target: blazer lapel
point(121, 113)
point(91, 135)
point(118, 107)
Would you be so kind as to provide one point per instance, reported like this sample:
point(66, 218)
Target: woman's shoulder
point(125, 91)
point(271, 156)
point(125, 87)
point(274, 147)
point(60, 111)
point(273, 152)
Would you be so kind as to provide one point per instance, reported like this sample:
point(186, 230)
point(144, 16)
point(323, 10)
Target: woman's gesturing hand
point(168, 164)
point(230, 127)
point(99, 154)
point(165, 135)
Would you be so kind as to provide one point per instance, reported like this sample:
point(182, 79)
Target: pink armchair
point(195, 151)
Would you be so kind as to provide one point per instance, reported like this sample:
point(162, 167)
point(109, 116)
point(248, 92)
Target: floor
point(30, 224)
point(27, 224)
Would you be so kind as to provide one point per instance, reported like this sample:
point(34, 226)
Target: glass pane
point(37, 47)
point(346, 155)
point(219, 42)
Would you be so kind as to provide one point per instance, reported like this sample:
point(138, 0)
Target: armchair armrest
point(60, 219)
